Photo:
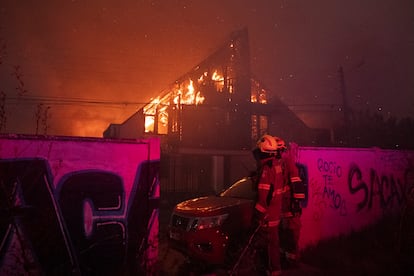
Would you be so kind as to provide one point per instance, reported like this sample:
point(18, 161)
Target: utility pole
point(45, 119)
point(3, 117)
point(38, 117)
point(345, 105)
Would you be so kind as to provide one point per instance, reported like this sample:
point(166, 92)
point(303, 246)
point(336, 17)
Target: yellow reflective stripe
point(287, 215)
point(260, 208)
point(299, 195)
point(295, 179)
point(264, 187)
point(281, 190)
point(273, 223)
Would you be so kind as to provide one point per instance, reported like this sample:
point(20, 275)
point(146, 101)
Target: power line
point(75, 101)
point(67, 100)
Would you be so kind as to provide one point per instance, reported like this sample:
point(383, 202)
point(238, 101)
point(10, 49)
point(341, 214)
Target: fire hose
point(236, 265)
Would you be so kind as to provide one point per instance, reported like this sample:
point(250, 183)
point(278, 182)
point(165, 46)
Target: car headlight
point(208, 222)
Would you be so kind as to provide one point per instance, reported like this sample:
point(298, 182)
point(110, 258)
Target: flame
point(263, 97)
point(219, 81)
point(201, 78)
point(158, 106)
point(217, 77)
point(188, 93)
point(189, 97)
point(149, 123)
point(150, 109)
point(258, 98)
point(258, 94)
point(199, 98)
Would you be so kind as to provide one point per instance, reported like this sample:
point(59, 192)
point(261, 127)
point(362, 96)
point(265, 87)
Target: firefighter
point(293, 194)
point(269, 202)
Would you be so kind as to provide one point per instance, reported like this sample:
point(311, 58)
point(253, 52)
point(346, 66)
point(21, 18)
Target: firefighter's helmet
point(267, 144)
point(280, 143)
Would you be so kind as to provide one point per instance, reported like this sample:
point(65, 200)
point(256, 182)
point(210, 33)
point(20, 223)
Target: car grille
point(181, 222)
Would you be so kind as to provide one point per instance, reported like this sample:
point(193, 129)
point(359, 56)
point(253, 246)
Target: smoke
point(131, 50)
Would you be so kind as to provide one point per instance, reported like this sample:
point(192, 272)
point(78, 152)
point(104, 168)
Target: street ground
point(386, 248)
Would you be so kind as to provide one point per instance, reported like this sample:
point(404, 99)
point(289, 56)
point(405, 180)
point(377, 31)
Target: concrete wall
point(78, 204)
point(352, 188)
point(82, 204)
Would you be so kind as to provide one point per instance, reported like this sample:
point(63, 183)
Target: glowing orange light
point(188, 93)
point(219, 80)
point(217, 77)
point(149, 123)
point(201, 78)
point(189, 97)
point(253, 98)
point(258, 94)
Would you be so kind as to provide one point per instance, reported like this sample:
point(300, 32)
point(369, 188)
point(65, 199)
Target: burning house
point(210, 118)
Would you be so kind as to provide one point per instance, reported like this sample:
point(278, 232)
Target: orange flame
point(157, 110)
point(219, 81)
point(189, 97)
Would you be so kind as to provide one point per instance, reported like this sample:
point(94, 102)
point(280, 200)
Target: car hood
point(208, 204)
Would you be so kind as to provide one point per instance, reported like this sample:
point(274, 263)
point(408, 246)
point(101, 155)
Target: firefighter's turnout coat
point(276, 189)
point(279, 184)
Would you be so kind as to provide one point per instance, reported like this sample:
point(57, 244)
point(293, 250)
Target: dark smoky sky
point(81, 59)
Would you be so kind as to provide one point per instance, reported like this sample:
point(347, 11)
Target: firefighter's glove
point(296, 207)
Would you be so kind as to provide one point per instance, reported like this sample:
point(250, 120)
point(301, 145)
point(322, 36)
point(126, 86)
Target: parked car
point(209, 229)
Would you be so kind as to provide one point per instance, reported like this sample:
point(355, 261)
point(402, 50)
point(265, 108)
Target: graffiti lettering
point(325, 196)
point(89, 213)
point(387, 188)
point(337, 202)
point(356, 184)
point(328, 179)
point(329, 167)
point(83, 226)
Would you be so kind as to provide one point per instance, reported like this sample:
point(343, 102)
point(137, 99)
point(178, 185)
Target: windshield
point(243, 188)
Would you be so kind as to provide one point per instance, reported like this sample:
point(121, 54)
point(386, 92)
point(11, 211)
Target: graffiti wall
point(351, 188)
point(79, 205)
